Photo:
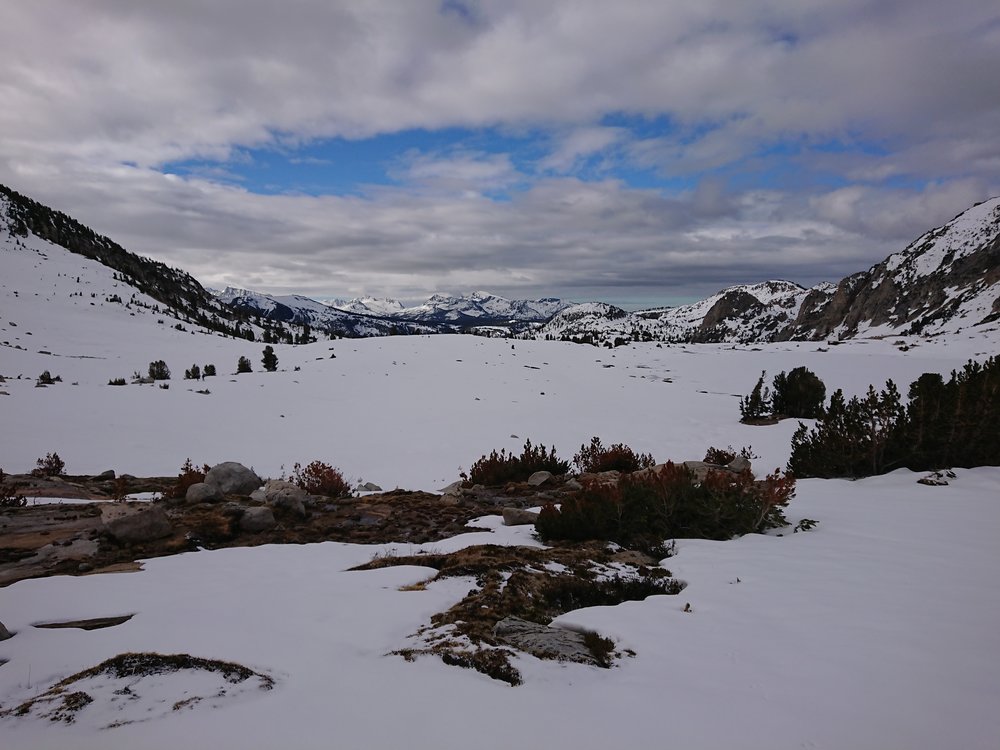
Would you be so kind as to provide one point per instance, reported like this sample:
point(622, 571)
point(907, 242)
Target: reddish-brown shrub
point(319, 478)
point(500, 468)
point(595, 458)
point(666, 503)
point(189, 475)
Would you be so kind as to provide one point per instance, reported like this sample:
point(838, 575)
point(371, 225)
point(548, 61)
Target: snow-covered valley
point(877, 629)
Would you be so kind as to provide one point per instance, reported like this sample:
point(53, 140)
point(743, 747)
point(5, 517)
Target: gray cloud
point(99, 95)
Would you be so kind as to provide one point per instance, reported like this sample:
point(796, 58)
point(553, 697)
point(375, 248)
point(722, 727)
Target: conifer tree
point(270, 359)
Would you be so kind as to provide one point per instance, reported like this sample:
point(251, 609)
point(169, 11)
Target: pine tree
point(758, 404)
point(243, 365)
point(270, 359)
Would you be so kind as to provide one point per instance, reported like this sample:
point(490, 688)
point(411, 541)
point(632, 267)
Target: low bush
point(723, 456)
point(595, 458)
point(117, 381)
point(666, 503)
point(46, 378)
point(209, 371)
point(503, 467)
point(10, 497)
point(194, 373)
point(189, 475)
point(319, 478)
point(50, 466)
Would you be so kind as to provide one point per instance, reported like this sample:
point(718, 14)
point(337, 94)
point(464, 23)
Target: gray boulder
point(105, 475)
point(286, 495)
point(203, 492)
point(539, 478)
point(455, 488)
point(369, 487)
point(233, 478)
point(518, 517)
point(739, 464)
point(543, 641)
point(700, 469)
point(257, 519)
point(137, 525)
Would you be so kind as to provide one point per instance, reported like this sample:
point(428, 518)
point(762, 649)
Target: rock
point(4, 633)
point(374, 515)
point(452, 489)
point(369, 487)
point(233, 479)
point(257, 519)
point(202, 492)
point(518, 517)
point(105, 475)
point(258, 495)
point(602, 478)
point(543, 641)
point(739, 464)
point(936, 479)
point(84, 567)
point(286, 495)
point(539, 478)
point(573, 484)
point(700, 469)
point(135, 525)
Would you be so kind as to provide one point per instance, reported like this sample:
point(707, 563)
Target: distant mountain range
point(947, 280)
point(440, 313)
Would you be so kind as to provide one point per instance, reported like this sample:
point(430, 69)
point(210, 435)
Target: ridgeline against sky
point(630, 152)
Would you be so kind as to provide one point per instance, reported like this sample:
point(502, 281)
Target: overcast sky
point(643, 152)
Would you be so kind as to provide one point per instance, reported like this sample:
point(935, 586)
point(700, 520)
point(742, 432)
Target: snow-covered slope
point(867, 632)
point(741, 314)
point(945, 281)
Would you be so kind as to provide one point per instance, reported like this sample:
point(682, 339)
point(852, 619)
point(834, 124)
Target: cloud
point(98, 97)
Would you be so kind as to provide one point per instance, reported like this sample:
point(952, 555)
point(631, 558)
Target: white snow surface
point(878, 629)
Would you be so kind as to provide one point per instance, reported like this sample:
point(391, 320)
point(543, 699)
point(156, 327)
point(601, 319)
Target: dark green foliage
point(596, 458)
point(117, 381)
point(945, 424)
point(666, 503)
point(757, 405)
point(50, 466)
point(566, 593)
point(209, 371)
point(158, 370)
point(270, 359)
point(193, 374)
point(798, 394)
point(500, 468)
point(243, 365)
point(46, 378)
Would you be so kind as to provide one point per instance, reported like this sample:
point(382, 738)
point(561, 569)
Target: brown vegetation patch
point(532, 584)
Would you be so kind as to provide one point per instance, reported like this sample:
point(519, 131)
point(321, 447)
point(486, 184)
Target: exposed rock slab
point(543, 641)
